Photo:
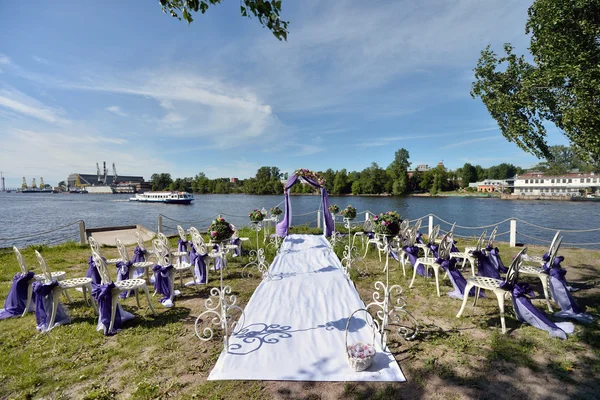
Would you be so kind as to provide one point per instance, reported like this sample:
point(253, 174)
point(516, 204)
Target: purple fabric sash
point(199, 264)
point(434, 249)
point(419, 239)
point(124, 273)
point(485, 266)
point(182, 246)
point(15, 302)
point(528, 313)
point(413, 254)
point(103, 296)
point(237, 242)
point(92, 271)
point(283, 226)
point(494, 255)
point(562, 295)
point(43, 306)
point(457, 279)
point(162, 283)
point(139, 255)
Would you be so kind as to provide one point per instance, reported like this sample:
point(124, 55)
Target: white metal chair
point(121, 286)
point(450, 232)
point(84, 283)
point(367, 229)
point(164, 254)
point(24, 271)
point(431, 262)
point(483, 282)
point(538, 259)
point(467, 255)
point(95, 246)
point(430, 240)
point(125, 258)
point(492, 239)
point(411, 237)
point(543, 276)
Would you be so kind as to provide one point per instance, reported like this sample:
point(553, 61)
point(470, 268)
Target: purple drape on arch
point(284, 225)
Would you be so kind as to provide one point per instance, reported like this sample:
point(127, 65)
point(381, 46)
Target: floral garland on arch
point(307, 173)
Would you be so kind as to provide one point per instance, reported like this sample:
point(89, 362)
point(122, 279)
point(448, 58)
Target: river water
point(24, 216)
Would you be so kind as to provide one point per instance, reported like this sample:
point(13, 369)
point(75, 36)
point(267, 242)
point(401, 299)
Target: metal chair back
point(162, 253)
point(554, 239)
point(182, 233)
point(140, 241)
point(492, 238)
point(122, 250)
point(161, 236)
point(434, 234)
point(554, 251)
point(102, 269)
point(512, 275)
point(198, 242)
point(20, 260)
point(94, 245)
point(418, 224)
point(480, 241)
point(44, 267)
point(445, 247)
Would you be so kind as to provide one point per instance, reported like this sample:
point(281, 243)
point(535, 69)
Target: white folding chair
point(24, 272)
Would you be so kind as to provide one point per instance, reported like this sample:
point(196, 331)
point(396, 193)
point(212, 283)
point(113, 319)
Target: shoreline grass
point(160, 357)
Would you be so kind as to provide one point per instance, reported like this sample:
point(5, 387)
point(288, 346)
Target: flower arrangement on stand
point(387, 223)
point(334, 209)
point(348, 212)
point(256, 215)
point(276, 211)
point(220, 230)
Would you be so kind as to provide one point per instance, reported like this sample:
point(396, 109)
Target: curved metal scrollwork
point(257, 257)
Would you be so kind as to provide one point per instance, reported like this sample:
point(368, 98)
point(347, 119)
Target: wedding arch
point(312, 179)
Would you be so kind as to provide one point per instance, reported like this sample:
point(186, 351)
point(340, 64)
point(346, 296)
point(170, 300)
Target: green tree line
point(395, 179)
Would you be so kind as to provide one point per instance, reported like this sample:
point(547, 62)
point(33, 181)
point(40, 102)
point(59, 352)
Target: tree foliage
point(266, 11)
point(161, 181)
point(562, 86)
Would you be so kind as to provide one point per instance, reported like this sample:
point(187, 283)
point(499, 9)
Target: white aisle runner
point(295, 323)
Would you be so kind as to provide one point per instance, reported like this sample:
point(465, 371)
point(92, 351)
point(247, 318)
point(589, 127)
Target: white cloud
point(471, 141)
point(116, 110)
point(20, 103)
point(41, 60)
point(4, 59)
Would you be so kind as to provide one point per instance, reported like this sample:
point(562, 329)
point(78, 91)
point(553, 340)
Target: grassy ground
point(160, 357)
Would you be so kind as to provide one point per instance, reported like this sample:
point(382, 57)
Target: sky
point(119, 81)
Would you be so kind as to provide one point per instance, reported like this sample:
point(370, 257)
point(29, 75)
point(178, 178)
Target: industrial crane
point(105, 174)
point(24, 184)
point(98, 172)
point(115, 176)
point(42, 186)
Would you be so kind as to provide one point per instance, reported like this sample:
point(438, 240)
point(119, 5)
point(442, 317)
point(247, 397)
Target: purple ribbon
point(526, 312)
point(123, 273)
point(494, 255)
point(162, 281)
point(92, 271)
point(182, 247)
point(43, 306)
point(139, 255)
point(457, 279)
point(15, 302)
point(485, 266)
point(103, 296)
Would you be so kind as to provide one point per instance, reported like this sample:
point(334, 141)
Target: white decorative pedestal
point(271, 240)
point(219, 305)
point(257, 256)
point(388, 303)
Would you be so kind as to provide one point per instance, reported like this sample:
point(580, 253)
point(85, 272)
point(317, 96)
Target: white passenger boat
point(164, 197)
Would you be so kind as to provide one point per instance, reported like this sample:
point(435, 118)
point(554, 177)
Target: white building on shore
point(572, 184)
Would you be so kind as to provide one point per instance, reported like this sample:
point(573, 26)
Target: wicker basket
point(356, 363)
